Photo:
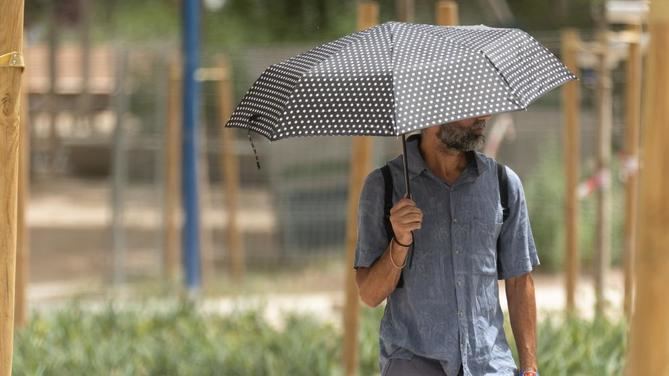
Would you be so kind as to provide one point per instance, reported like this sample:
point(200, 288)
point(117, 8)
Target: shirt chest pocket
point(483, 246)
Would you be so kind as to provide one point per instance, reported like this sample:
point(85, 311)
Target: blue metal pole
point(191, 233)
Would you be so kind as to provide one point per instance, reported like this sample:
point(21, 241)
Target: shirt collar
point(417, 163)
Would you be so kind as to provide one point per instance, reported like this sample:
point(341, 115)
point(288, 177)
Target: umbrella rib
point(392, 82)
point(350, 40)
point(514, 97)
point(354, 39)
point(460, 42)
point(482, 50)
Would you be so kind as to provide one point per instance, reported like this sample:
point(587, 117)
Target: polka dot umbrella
point(396, 78)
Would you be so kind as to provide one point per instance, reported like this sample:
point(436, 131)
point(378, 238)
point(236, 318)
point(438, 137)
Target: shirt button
point(455, 220)
point(459, 282)
point(457, 251)
point(461, 314)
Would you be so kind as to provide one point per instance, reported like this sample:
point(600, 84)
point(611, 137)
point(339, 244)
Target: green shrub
point(174, 341)
point(180, 340)
point(544, 191)
point(581, 347)
point(369, 340)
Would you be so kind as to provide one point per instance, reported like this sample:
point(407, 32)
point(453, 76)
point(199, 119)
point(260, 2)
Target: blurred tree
point(238, 22)
point(66, 12)
point(541, 14)
point(35, 12)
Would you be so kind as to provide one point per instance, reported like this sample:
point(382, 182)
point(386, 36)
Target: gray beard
point(462, 140)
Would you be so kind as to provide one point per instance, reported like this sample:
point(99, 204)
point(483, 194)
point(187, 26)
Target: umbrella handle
point(406, 166)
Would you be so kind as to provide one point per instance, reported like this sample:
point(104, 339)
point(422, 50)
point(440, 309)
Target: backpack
point(502, 179)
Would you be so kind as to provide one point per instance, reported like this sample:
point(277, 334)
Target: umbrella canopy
point(398, 77)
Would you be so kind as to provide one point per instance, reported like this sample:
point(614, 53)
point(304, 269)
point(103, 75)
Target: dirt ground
point(71, 236)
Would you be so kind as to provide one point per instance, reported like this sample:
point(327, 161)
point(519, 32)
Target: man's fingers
point(411, 224)
point(407, 223)
point(404, 209)
point(405, 216)
point(408, 227)
point(408, 211)
point(408, 218)
point(404, 202)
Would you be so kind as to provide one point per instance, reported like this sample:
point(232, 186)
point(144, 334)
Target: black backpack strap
point(388, 199)
point(502, 180)
point(387, 205)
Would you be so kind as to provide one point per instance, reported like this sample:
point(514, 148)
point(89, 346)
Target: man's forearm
point(378, 281)
point(523, 317)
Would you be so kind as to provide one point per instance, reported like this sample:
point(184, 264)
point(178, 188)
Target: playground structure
point(576, 53)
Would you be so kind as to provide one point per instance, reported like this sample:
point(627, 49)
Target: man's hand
point(405, 217)
point(380, 280)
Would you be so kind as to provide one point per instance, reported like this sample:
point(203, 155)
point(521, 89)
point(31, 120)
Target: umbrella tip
point(255, 152)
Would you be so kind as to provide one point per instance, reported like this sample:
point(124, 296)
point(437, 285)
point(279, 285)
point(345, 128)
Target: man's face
point(461, 135)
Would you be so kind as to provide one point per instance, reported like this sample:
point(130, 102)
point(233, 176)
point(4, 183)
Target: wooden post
point(171, 211)
point(649, 338)
point(447, 13)
point(53, 36)
point(632, 125)
point(571, 99)
point(603, 194)
point(84, 29)
point(405, 10)
point(160, 79)
point(22, 237)
point(119, 178)
point(206, 243)
point(230, 174)
point(368, 16)
point(11, 42)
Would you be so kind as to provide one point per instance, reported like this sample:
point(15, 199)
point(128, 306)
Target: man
point(445, 317)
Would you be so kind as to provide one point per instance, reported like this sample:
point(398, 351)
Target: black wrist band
point(400, 244)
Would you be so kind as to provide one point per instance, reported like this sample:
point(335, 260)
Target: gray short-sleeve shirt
point(448, 308)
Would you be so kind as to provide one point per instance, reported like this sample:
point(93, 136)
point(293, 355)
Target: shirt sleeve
point(516, 253)
point(372, 238)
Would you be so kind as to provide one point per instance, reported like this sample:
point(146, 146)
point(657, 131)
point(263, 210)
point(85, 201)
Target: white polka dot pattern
point(398, 77)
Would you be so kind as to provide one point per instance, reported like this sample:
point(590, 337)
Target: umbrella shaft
point(408, 191)
point(406, 166)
